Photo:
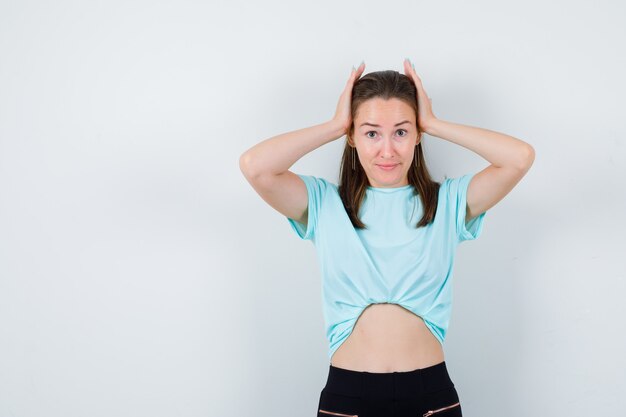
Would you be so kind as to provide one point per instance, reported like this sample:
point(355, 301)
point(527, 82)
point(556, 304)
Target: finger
point(410, 71)
point(407, 68)
point(410, 66)
point(354, 71)
point(352, 75)
point(361, 68)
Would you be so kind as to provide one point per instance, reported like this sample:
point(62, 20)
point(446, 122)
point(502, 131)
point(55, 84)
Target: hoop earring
point(353, 159)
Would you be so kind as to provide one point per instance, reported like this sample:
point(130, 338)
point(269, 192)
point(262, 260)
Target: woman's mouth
point(387, 167)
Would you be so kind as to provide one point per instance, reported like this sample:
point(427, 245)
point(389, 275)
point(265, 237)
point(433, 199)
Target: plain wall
point(141, 275)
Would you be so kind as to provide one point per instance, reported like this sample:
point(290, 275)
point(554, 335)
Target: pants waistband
point(388, 385)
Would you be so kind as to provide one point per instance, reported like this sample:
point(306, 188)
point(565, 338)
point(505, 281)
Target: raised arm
point(510, 158)
point(266, 165)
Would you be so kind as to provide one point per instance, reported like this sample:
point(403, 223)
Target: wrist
point(431, 127)
point(337, 128)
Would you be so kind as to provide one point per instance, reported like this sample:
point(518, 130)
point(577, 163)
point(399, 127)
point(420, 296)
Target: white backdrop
point(141, 275)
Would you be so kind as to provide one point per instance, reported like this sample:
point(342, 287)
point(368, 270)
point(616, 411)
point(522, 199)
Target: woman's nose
point(387, 147)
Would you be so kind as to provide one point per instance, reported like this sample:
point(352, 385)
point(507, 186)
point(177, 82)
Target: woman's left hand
point(425, 114)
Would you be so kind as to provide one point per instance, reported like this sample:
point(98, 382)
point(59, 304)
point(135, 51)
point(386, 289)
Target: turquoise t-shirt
point(390, 262)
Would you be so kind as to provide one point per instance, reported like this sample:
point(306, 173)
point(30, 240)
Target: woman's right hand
point(343, 115)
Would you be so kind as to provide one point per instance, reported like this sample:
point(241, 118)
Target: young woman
point(386, 237)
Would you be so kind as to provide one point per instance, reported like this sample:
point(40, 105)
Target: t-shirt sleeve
point(316, 188)
point(457, 200)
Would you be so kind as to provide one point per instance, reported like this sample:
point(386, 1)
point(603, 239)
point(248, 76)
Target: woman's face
point(385, 135)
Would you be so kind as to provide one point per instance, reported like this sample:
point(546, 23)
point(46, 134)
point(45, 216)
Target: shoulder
point(319, 184)
point(451, 187)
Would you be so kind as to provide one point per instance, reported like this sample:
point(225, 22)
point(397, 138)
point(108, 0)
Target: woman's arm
point(498, 148)
point(274, 156)
point(277, 154)
point(266, 165)
point(510, 158)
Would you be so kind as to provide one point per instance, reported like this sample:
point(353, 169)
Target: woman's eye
point(404, 133)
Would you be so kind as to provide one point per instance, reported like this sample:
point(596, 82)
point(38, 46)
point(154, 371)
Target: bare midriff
point(388, 338)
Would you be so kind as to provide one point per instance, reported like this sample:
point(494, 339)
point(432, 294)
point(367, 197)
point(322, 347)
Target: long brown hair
point(353, 183)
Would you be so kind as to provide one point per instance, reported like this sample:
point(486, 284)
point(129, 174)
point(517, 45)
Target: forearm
point(277, 154)
point(498, 148)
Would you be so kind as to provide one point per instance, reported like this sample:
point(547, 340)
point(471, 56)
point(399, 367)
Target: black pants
point(421, 392)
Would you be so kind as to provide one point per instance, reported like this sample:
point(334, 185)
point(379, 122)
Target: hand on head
point(424, 104)
point(425, 116)
point(343, 115)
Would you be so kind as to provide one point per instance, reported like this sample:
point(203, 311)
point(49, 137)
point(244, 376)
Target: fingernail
point(353, 69)
point(362, 62)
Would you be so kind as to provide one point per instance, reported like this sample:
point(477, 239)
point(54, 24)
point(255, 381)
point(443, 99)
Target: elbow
point(246, 165)
point(527, 158)
point(530, 155)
